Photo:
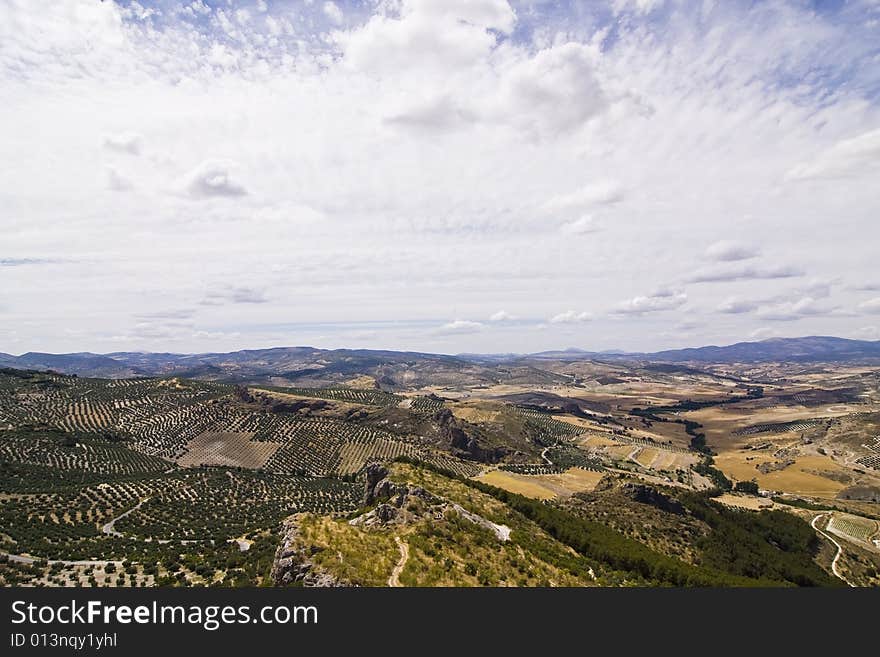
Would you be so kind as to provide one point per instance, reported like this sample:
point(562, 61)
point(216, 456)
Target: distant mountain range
point(323, 365)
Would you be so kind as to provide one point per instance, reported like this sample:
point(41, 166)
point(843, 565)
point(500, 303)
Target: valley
point(419, 470)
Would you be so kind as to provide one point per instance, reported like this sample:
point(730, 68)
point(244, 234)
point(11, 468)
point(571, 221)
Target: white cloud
point(555, 91)
point(378, 194)
point(764, 333)
point(582, 226)
point(426, 34)
point(795, 310)
point(124, 142)
point(725, 274)
point(660, 301)
point(728, 251)
point(461, 326)
point(600, 192)
point(333, 12)
point(571, 317)
point(856, 156)
point(735, 306)
point(212, 178)
point(637, 6)
point(870, 306)
point(501, 316)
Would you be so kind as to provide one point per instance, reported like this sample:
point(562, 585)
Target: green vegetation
point(750, 487)
point(767, 544)
point(611, 548)
point(351, 395)
point(707, 469)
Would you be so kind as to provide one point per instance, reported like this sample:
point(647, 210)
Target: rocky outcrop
point(401, 504)
point(645, 494)
point(293, 564)
point(861, 493)
point(373, 473)
point(460, 443)
point(397, 503)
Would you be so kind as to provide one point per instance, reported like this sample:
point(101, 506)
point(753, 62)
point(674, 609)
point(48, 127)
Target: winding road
point(394, 580)
point(836, 544)
point(109, 529)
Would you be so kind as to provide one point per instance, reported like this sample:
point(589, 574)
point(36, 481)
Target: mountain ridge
point(303, 360)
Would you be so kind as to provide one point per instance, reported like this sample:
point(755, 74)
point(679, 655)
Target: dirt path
point(109, 529)
point(394, 580)
point(20, 558)
point(632, 455)
point(836, 544)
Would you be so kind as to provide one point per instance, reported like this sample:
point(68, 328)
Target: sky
point(437, 175)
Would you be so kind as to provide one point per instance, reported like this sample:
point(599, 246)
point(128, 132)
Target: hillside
point(180, 482)
point(398, 370)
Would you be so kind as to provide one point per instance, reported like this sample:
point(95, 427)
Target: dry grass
point(228, 449)
point(746, 502)
point(544, 487)
point(361, 383)
point(477, 411)
point(646, 456)
point(515, 483)
point(594, 440)
point(802, 477)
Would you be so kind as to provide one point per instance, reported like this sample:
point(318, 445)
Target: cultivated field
point(236, 450)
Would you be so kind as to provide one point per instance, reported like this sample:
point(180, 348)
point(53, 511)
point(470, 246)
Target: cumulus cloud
point(130, 143)
point(723, 274)
point(571, 317)
point(212, 178)
point(764, 333)
point(849, 157)
point(794, 310)
point(461, 326)
point(735, 306)
point(729, 251)
point(501, 316)
point(659, 301)
point(426, 34)
point(555, 91)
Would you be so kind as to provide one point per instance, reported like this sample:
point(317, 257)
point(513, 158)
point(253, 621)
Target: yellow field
point(476, 411)
point(594, 440)
point(646, 456)
point(745, 502)
point(798, 478)
point(543, 487)
point(522, 484)
point(362, 382)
